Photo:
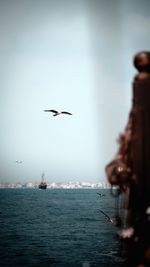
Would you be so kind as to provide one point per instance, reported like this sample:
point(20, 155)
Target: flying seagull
point(18, 161)
point(101, 195)
point(57, 112)
point(108, 218)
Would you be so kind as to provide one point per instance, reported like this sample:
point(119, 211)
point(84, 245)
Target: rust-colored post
point(130, 169)
point(138, 210)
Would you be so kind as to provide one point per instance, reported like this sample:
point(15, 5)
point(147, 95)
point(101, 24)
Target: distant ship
point(43, 184)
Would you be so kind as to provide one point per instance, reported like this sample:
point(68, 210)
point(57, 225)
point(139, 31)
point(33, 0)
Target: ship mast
point(43, 177)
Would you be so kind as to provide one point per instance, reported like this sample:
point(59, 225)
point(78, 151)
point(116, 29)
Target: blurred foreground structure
point(130, 172)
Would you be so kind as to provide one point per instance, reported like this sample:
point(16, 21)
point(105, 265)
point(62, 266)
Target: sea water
point(57, 227)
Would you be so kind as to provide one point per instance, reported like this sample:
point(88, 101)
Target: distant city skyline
point(54, 185)
point(66, 55)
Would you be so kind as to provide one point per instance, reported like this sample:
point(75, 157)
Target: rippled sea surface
point(57, 227)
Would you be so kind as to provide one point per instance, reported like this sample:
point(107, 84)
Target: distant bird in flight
point(101, 195)
point(56, 113)
point(18, 161)
point(108, 218)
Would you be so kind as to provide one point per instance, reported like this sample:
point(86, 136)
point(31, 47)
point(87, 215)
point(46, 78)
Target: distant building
point(29, 185)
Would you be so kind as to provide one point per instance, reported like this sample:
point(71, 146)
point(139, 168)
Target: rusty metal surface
point(130, 170)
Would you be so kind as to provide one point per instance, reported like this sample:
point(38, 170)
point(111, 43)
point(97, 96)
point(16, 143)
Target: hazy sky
point(73, 55)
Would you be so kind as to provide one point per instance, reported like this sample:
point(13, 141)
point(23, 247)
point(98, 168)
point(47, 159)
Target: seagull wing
point(65, 112)
point(51, 110)
point(105, 214)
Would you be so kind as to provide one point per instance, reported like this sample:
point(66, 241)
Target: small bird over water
point(108, 218)
point(56, 113)
point(101, 195)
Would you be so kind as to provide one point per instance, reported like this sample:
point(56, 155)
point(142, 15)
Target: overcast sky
point(73, 55)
